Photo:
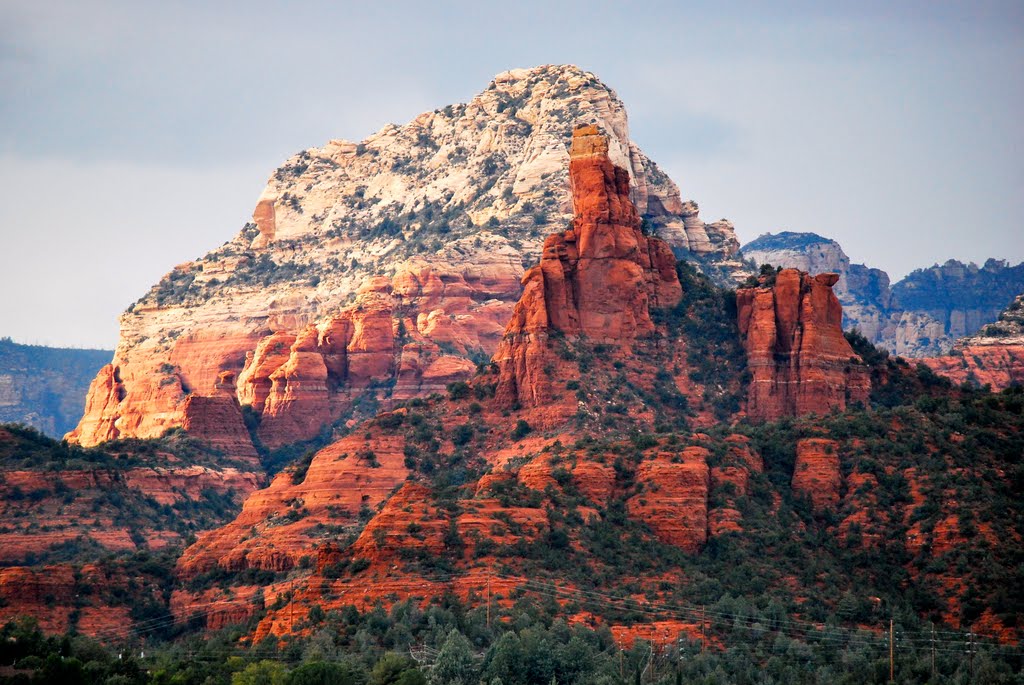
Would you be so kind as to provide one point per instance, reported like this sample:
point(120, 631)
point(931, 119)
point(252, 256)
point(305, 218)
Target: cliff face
point(994, 356)
point(597, 280)
point(45, 387)
point(798, 358)
point(921, 315)
point(436, 217)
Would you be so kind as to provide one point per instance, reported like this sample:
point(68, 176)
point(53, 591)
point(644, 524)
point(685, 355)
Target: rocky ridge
point(45, 387)
point(479, 492)
point(366, 506)
point(428, 225)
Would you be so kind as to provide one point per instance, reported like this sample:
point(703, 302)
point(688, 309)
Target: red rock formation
point(596, 280)
point(277, 525)
point(674, 502)
point(816, 473)
point(54, 596)
point(144, 399)
point(798, 358)
point(217, 419)
point(299, 383)
point(729, 484)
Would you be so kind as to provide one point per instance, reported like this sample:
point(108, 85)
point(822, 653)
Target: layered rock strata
point(674, 501)
point(816, 474)
point(799, 360)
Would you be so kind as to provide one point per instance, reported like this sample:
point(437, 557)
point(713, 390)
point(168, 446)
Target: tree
point(396, 669)
point(261, 673)
point(505, 660)
point(326, 673)
point(455, 663)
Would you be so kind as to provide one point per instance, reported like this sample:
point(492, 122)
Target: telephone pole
point(892, 655)
point(970, 652)
point(702, 638)
point(932, 624)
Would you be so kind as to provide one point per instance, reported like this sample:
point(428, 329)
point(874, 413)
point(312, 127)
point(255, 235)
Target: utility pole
point(892, 655)
point(488, 600)
point(970, 652)
point(932, 624)
point(702, 638)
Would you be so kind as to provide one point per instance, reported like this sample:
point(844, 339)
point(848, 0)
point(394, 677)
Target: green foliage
point(396, 669)
point(706, 318)
point(261, 673)
point(458, 390)
point(521, 430)
point(326, 673)
point(455, 663)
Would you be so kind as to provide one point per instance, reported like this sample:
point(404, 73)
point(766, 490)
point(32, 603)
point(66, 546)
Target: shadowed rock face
point(798, 358)
point(597, 280)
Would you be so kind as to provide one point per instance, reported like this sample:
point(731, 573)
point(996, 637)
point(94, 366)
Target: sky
point(136, 135)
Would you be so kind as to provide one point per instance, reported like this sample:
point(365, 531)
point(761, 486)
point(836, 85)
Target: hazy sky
point(136, 135)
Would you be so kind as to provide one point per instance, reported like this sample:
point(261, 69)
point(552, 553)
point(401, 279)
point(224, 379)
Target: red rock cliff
point(798, 358)
point(597, 280)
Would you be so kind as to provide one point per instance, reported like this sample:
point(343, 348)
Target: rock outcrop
point(816, 474)
point(597, 280)
point(437, 217)
point(923, 314)
point(674, 501)
point(799, 360)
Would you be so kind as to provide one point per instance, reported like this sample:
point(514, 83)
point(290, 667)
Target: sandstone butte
point(393, 263)
point(598, 280)
point(799, 360)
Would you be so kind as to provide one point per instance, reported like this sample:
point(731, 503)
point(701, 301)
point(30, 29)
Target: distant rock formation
point(921, 315)
point(799, 360)
point(45, 387)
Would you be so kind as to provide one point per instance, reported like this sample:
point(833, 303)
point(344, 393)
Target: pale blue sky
point(135, 135)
